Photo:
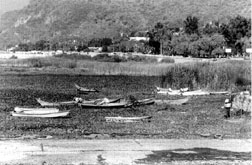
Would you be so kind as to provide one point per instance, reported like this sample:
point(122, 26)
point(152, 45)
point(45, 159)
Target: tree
point(191, 25)
point(217, 52)
point(42, 45)
point(242, 44)
point(236, 29)
point(210, 29)
point(160, 34)
point(205, 46)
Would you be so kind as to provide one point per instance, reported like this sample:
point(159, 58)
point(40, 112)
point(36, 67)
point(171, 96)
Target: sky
point(8, 5)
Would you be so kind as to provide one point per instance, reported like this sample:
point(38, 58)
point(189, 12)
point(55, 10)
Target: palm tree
point(191, 25)
point(161, 33)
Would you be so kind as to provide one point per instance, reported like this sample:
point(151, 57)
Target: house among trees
point(139, 38)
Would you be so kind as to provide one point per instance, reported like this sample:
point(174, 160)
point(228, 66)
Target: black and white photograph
point(125, 82)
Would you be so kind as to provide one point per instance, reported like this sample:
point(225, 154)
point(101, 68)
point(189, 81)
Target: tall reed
point(227, 75)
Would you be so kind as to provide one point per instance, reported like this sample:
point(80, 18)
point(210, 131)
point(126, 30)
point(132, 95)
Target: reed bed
point(223, 75)
point(227, 75)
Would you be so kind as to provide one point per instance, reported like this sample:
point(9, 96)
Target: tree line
point(192, 39)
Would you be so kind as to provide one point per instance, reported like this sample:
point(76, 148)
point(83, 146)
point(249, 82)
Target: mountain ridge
point(87, 19)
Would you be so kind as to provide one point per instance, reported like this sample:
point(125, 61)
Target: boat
point(105, 105)
point(36, 110)
point(169, 91)
point(120, 119)
point(173, 102)
point(144, 102)
point(44, 115)
point(220, 93)
point(195, 93)
point(54, 104)
point(97, 101)
point(172, 90)
point(84, 90)
point(172, 93)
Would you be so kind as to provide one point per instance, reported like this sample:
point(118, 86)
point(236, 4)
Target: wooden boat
point(44, 115)
point(36, 110)
point(172, 90)
point(163, 89)
point(105, 105)
point(169, 91)
point(220, 93)
point(173, 102)
point(195, 93)
point(120, 119)
point(55, 104)
point(100, 101)
point(144, 102)
point(84, 90)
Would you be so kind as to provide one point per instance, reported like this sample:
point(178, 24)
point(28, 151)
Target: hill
point(86, 19)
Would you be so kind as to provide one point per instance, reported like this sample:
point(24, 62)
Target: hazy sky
point(8, 5)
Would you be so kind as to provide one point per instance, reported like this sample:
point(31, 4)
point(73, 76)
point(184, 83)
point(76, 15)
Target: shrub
point(167, 60)
point(74, 56)
point(142, 59)
point(70, 64)
point(107, 58)
point(35, 62)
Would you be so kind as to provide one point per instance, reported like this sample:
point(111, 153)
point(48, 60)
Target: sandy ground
point(103, 151)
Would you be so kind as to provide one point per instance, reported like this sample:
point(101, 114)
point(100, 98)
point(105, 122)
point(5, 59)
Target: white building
point(139, 38)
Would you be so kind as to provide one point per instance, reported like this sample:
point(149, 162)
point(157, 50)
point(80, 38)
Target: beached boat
point(105, 105)
point(144, 102)
point(100, 101)
point(44, 115)
point(84, 90)
point(220, 93)
point(195, 93)
point(54, 104)
point(120, 119)
point(172, 90)
point(36, 110)
point(173, 102)
point(169, 91)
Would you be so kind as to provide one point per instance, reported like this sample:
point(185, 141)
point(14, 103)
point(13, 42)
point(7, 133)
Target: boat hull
point(46, 115)
point(109, 105)
point(126, 119)
point(36, 110)
point(56, 104)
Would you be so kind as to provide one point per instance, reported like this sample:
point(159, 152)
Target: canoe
point(120, 119)
point(36, 110)
point(220, 93)
point(144, 102)
point(195, 93)
point(182, 93)
point(173, 102)
point(100, 101)
point(172, 90)
point(163, 89)
point(54, 104)
point(169, 92)
point(105, 105)
point(85, 90)
point(45, 115)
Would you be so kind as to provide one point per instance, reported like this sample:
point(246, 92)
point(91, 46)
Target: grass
point(201, 115)
point(229, 75)
point(224, 75)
